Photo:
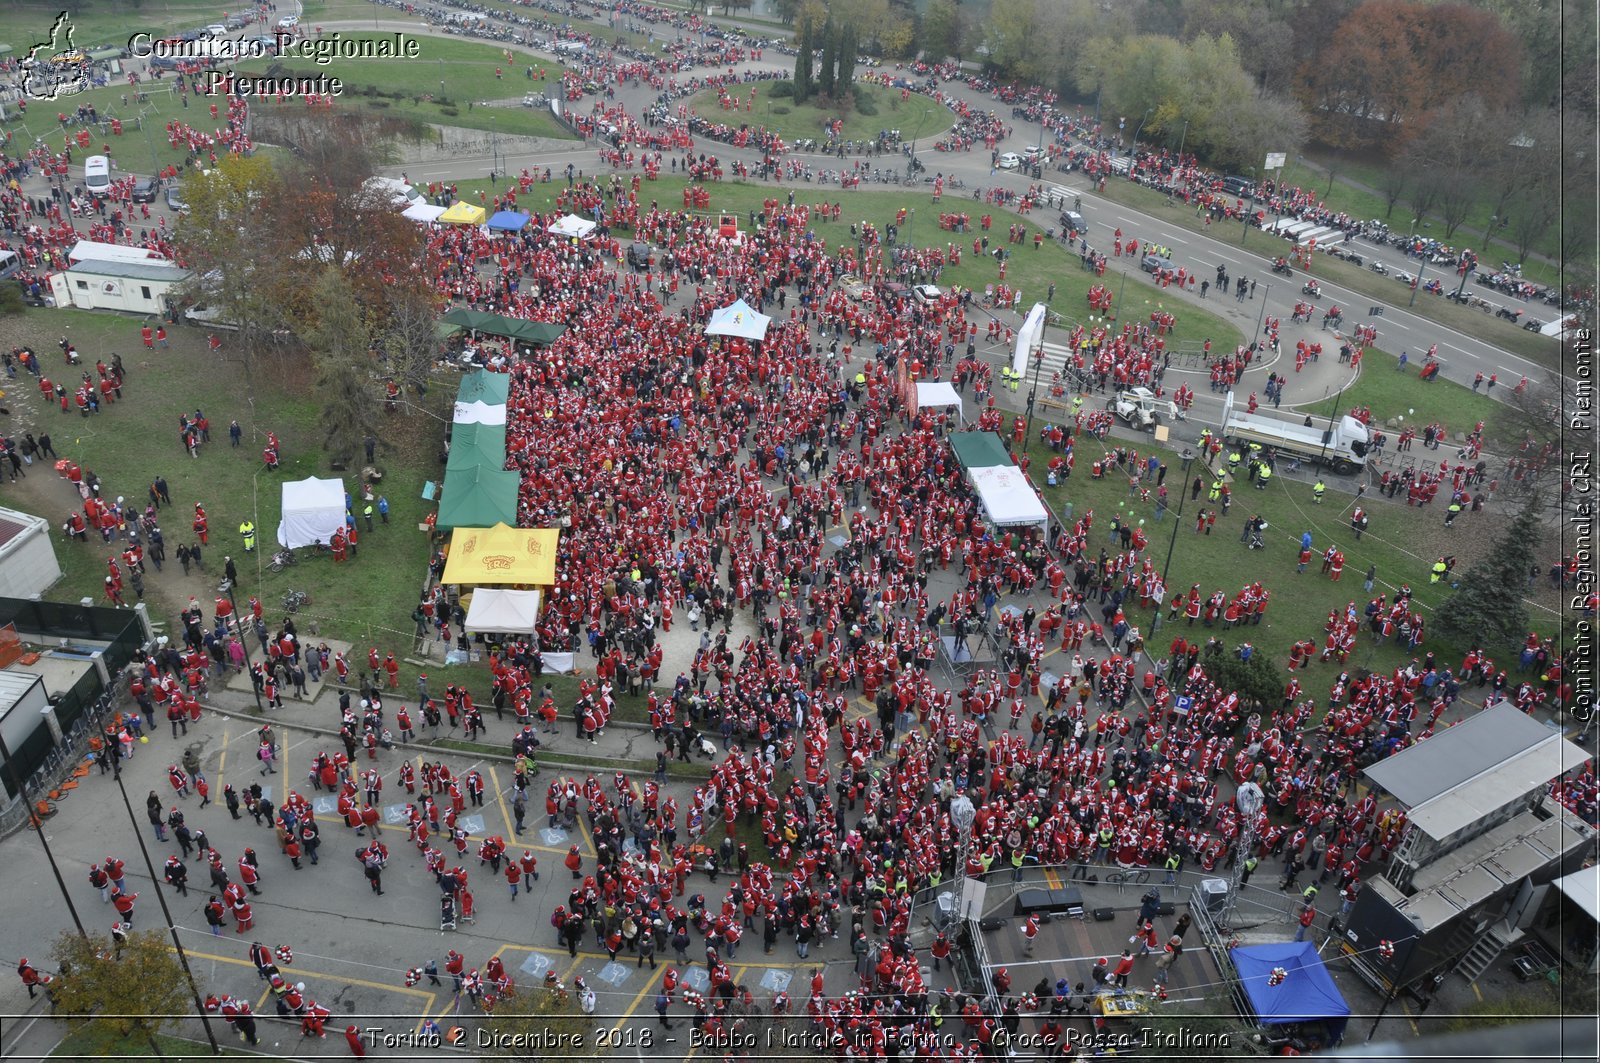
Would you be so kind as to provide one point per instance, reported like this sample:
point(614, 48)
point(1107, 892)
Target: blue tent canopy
point(509, 221)
point(1308, 994)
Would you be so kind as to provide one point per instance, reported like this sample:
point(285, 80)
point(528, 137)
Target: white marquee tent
point(313, 510)
point(738, 320)
point(423, 212)
point(1008, 499)
point(495, 609)
point(937, 393)
point(572, 225)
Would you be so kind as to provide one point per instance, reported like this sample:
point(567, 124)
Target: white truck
point(1340, 445)
point(1139, 408)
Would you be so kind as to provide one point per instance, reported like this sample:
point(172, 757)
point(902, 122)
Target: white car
point(288, 22)
point(217, 29)
point(926, 293)
point(1009, 161)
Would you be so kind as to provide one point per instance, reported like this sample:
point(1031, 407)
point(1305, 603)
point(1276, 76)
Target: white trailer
point(1340, 445)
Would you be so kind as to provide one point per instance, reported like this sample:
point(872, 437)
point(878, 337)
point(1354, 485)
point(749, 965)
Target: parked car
point(1154, 263)
point(288, 22)
point(1009, 161)
point(1072, 221)
point(175, 200)
point(639, 255)
point(1236, 185)
point(927, 293)
point(144, 190)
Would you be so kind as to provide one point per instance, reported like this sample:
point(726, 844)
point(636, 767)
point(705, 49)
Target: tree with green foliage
point(803, 63)
point(1488, 610)
point(847, 61)
point(341, 341)
point(830, 56)
point(119, 993)
point(942, 29)
point(1256, 680)
point(230, 220)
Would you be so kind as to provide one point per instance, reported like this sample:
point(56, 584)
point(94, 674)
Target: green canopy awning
point(478, 496)
point(477, 444)
point(979, 450)
point(538, 333)
point(480, 385)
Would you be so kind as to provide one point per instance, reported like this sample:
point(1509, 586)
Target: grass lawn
point(82, 1045)
point(109, 23)
point(916, 118)
point(142, 148)
point(1541, 349)
point(366, 600)
point(1391, 393)
point(1364, 204)
point(1031, 270)
point(451, 83)
point(1401, 541)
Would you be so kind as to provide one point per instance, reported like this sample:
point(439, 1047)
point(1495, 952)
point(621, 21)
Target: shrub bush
point(866, 105)
point(781, 90)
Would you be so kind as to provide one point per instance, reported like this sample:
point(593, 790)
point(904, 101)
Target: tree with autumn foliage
point(1394, 65)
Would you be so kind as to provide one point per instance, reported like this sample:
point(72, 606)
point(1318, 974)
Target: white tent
point(496, 609)
point(1008, 499)
point(738, 320)
point(313, 510)
point(572, 225)
point(480, 412)
point(423, 212)
point(937, 393)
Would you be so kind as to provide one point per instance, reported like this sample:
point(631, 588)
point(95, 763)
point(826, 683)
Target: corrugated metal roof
point(138, 271)
point(1583, 888)
point(1467, 771)
point(12, 686)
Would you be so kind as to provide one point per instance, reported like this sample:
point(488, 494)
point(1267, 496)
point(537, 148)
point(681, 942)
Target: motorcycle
point(1311, 288)
point(1508, 313)
point(1379, 268)
point(1282, 266)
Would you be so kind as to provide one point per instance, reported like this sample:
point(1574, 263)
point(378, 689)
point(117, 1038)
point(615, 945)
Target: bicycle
point(295, 599)
point(1128, 878)
point(282, 560)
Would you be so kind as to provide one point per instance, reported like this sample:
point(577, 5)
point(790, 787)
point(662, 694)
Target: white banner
point(1027, 339)
point(480, 412)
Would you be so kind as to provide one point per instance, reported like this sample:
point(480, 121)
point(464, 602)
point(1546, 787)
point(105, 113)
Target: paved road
point(1399, 329)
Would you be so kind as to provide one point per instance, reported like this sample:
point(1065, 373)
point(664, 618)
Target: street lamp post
point(1262, 316)
point(244, 641)
point(1173, 184)
point(1252, 211)
point(22, 795)
point(1172, 542)
point(1416, 285)
point(1133, 145)
point(166, 913)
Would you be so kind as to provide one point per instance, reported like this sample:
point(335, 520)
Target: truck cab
point(1139, 408)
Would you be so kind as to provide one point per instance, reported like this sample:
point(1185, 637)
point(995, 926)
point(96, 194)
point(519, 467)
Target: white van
point(97, 174)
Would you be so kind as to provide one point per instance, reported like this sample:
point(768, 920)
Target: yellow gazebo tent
point(464, 213)
point(502, 555)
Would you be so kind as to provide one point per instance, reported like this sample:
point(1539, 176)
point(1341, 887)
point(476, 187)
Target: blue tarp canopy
point(1308, 994)
point(509, 221)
